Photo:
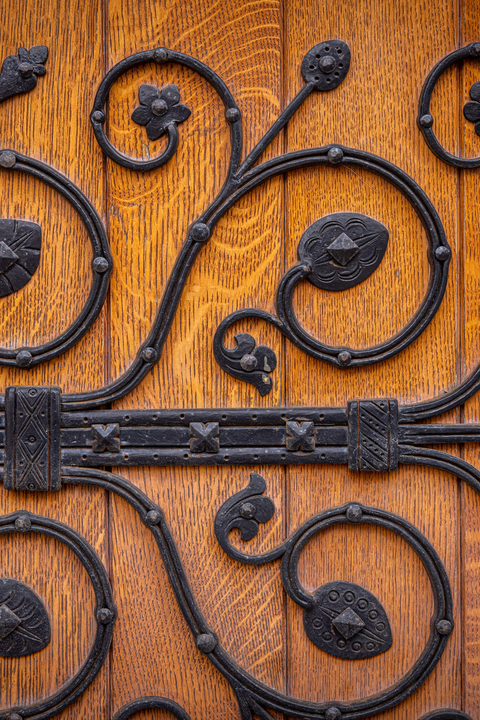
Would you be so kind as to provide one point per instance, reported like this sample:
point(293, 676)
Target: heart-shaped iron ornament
point(24, 623)
point(20, 245)
point(343, 249)
point(347, 621)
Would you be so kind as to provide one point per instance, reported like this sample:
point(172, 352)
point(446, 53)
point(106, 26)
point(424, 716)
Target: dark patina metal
point(342, 250)
point(26, 522)
point(24, 622)
point(20, 72)
point(32, 438)
point(347, 621)
point(426, 120)
point(20, 244)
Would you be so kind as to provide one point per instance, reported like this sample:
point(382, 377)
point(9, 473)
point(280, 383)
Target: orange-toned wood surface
point(257, 48)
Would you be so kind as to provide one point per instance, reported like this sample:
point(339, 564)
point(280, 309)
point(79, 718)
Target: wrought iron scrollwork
point(341, 619)
point(426, 120)
point(105, 611)
point(438, 256)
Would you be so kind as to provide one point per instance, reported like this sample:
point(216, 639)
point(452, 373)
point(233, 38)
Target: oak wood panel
point(240, 266)
point(393, 47)
point(470, 219)
point(51, 123)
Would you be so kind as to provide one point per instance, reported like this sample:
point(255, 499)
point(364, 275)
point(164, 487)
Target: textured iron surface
point(347, 621)
point(342, 250)
point(32, 438)
point(24, 622)
point(20, 72)
point(20, 244)
point(105, 611)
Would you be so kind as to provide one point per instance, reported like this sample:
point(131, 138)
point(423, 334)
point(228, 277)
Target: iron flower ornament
point(471, 109)
point(158, 109)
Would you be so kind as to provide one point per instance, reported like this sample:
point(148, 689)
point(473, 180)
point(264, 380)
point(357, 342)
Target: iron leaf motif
point(19, 72)
point(347, 621)
point(158, 109)
point(20, 245)
point(24, 623)
point(343, 249)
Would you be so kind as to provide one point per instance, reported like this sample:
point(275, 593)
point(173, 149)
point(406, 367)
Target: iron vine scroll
point(72, 435)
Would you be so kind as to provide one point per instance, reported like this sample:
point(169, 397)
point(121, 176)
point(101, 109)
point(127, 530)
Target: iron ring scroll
point(425, 119)
point(159, 56)
point(105, 611)
point(253, 696)
point(101, 264)
point(233, 360)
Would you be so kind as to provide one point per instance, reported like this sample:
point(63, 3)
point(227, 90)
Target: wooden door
point(281, 525)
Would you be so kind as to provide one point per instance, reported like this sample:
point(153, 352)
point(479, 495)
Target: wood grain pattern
point(256, 46)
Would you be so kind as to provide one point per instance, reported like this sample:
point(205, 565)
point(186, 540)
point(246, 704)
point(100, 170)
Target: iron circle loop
point(286, 322)
point(161, 56)
point(151, 703)
point(22, 521)
point(102, 265)
point(426, 121)
point(355, 513)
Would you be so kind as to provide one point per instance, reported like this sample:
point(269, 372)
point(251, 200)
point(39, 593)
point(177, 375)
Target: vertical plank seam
point(462, 345)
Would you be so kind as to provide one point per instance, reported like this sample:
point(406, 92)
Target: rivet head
point(7, 159)
point(25, 69)
point(200, 232)
point(327, 63)
point(160, 55)
point(444, 627)
point(159, 107)
point(23, 523)
point(426, 121)
point(344, 358)
point(149, 354)
point(104, 616)
point(232, 114)
point(23, 358)
point(442, 253)
point(333, 713)
point(354, 513)
point(14, 716)
point(206, 642)
point(476, 49)
point(152, 517)
point(247, 510)
point(335, 155)
point(248, 363)
point(101, 264)
point(98, 116)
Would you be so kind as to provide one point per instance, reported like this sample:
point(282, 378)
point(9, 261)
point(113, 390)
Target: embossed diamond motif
point(8, 621)
point(7, 256)
point(348, 623)
point(343, 249)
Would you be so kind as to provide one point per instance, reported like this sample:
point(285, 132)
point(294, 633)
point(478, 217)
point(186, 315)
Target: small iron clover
point(471, 109)
point(19, 72)
point(159, 109)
